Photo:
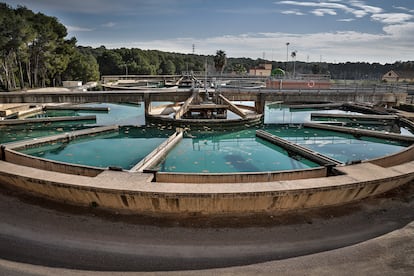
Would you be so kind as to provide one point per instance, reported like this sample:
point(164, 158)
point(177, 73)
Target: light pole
point(287, 55)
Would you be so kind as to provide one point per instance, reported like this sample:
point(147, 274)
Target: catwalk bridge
point(259, 96)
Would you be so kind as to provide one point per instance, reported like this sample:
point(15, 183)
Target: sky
point(316, 30)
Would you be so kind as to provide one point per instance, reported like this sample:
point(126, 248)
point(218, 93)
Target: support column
point(147, 103)
point(260, 103)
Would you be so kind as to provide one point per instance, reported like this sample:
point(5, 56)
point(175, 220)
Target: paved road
point(37, 236)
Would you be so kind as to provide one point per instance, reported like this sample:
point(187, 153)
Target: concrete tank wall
point(407, 155)
point(216, 202)
point(240, 177)
point(49, 165)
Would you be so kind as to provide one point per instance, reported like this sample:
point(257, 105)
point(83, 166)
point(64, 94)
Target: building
point(398, 76)
point(264, 70)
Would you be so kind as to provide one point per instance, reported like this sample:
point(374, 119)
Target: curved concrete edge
point(125, 192)
point(244, 177)
point(19, 158)
point(398, 158)
point(407, 122)
point(250, 120)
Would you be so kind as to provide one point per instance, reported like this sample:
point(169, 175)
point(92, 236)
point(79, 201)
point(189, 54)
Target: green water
point(376, 125)
point(120, 114)
point(200, 151)
point(123, 149)
point(36, 130)
point(226, 152)
point(385, 127)
point(340, 146)
point(282, 114)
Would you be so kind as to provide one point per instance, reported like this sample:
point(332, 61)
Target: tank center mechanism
point(205, 107)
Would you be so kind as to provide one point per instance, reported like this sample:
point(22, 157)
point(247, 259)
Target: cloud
point(78, 29)
point(367, 8)
point(401, 32)
point(359, 13)
point(329, 5)
point(346, 20)
point(392, 18)
point(108, 25)
point(358, 8)
point(403, 8)
point(293, 12)
point(319, 5)
point(322, 12)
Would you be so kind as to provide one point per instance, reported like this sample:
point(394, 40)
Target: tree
point(48, 56)
point(167, 67)
point(278, 73)
point(111, 63)
point(33, 48)
point(12, 36)
point(239, 69)
point(63, 54)
point(293, 55)
point(220, 61)
point(82, 66)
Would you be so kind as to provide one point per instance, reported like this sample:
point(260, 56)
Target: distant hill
point(137, 61)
